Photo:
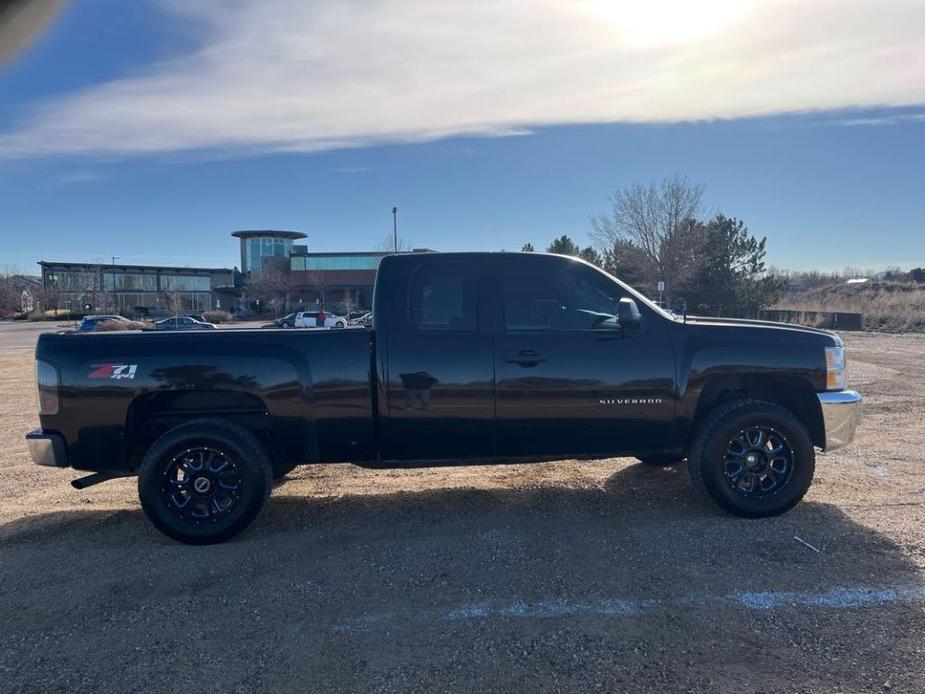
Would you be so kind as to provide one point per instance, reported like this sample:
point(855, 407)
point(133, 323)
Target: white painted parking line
point(836, 598)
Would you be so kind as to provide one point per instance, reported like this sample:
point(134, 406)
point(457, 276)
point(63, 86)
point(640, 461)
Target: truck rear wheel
point(204, 481)
point(753, 458)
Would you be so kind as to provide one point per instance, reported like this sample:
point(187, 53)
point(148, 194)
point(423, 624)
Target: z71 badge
point(116, 371)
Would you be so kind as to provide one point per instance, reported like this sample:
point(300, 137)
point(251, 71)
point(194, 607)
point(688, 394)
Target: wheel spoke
point(229, 482)
point(192, 464)
point(738, 448)
point(734, 469)
point(180, 500)
point(778, 465)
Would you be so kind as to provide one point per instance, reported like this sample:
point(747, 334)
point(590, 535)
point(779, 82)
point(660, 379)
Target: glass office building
point(257, 244)
point(136, 290)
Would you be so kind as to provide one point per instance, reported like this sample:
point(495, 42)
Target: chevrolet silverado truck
point(470, 358)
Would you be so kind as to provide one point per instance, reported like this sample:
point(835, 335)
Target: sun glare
point(654, 23)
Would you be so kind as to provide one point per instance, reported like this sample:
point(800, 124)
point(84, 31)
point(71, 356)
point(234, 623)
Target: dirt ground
point(568, 576)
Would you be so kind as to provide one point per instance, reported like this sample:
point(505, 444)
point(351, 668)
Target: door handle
point(526, 357)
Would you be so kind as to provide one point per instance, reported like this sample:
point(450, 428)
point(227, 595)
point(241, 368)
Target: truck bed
point(308, 392)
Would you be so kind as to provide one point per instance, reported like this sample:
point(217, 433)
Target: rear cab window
point(443, 298)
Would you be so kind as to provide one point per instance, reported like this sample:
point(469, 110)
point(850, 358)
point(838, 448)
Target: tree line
point(654, 233)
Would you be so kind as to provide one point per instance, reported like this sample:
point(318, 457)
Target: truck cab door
point(438, 355)
point(569, 379)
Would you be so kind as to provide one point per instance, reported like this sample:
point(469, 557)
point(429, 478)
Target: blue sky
point(151, 130)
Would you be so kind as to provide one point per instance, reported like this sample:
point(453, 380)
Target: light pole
point(394, 229)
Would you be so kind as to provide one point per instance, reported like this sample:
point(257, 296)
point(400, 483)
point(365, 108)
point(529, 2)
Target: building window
point(129, 281)
point(337, 262)
point(185, 283)
point(259, 248)
point(73, 280)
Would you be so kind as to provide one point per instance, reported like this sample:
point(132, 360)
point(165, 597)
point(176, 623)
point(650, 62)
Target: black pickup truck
point(471, 358)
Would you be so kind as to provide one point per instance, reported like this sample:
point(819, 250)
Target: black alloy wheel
point(758, 462)
point(201, 485)
point(753, 458)
point(204, 481)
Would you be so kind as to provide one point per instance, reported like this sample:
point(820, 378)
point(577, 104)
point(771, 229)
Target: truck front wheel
point(753, 458)
point(204, 481)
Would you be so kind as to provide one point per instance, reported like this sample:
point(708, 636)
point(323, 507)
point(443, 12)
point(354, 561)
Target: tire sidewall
point(714, 450)
point(154, 503)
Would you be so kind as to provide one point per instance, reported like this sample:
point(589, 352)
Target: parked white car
point(309, 319)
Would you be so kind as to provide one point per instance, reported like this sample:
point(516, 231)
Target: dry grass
point(884, 305)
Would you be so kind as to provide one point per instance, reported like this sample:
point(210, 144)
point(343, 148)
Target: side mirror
point(628, 315)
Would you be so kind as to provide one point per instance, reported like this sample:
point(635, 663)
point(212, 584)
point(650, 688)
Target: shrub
point(114, 325)
point(216, 316)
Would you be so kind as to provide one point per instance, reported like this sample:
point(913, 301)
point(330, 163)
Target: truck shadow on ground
point(360, 590)
point(642, 516)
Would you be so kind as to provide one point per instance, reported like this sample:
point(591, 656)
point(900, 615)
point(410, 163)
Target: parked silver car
point(182, 323)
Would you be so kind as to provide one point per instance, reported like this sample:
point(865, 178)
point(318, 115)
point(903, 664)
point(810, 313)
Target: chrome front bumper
point(47, 448)
point(841, 412)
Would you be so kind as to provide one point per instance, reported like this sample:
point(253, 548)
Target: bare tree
point(89, 287)
point(173, 300)
point(9, 296)
point(50, 299)
point(660, 220)
point(318, 280)
point(348, 304)
point(391, 244)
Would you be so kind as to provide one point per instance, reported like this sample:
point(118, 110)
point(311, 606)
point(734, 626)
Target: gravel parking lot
point(567, 576)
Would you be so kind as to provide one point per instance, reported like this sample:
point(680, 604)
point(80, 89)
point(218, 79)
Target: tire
point(284, 324)
point(661, 459)
point(237, 474)
point(722, 466)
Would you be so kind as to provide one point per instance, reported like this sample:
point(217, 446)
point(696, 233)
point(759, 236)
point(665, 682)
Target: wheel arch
point(151, 415)
point(793, 393)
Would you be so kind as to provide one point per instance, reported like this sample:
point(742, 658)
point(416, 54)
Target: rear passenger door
point(440, 383)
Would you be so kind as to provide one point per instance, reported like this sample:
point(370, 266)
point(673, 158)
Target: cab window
point(443, 297)
point(554, 294)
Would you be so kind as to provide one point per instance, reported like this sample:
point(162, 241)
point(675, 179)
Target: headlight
point(836, 377)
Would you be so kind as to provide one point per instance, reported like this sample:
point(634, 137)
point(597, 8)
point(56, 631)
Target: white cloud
point(299, 76)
